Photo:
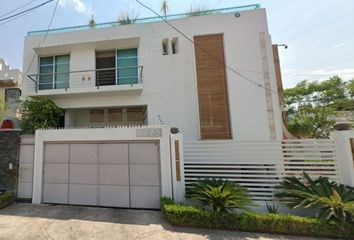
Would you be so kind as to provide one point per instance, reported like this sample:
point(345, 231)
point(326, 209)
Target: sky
point(319, 33)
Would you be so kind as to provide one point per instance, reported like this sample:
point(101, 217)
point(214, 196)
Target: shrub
point(6, 199)
point(331, 200)
point(272, 208)
point(39, 112)
point(221, 195)
point(192, 216)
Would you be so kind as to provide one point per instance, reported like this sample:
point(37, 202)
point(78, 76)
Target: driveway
point(55, 222)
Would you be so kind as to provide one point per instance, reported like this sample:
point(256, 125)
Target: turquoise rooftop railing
point(147, 20)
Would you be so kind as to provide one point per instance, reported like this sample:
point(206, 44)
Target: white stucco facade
point(169, 83)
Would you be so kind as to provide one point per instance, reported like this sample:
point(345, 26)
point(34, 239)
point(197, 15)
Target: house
point(216, 84)
point(10, 82)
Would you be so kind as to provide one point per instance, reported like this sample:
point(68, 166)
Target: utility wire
point(45, 35)
point(27, 10)
point(14, 18)
point(206, 51)
point(14, 10)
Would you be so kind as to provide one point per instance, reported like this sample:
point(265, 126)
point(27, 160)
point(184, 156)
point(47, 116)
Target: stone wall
point(9, 155)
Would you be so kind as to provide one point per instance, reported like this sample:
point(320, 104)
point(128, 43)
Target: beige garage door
point(102, 174)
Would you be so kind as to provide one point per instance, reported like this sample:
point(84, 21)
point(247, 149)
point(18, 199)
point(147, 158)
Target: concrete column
point(345, 155)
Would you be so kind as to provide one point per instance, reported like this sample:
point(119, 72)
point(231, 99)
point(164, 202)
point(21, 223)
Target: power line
point(27, 10)
point(206, 51)
point(45, 35)
point(12, 19)
point(22, 6)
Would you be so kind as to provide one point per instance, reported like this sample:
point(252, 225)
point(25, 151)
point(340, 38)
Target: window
point(54, 72)
point(174, 45)
point(97, 116)
point(135, 114)
point(115, 115)
point(105, 65)
point(165, 46)
point(127, 64)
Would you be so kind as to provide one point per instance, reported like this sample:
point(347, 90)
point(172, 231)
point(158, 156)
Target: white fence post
point(177, 167)
point(345, 155)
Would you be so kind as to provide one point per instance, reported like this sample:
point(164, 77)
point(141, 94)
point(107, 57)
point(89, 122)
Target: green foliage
point(92, 22)
point(192, 216)
point(221, 195)
point(332, 201)
point(164, 7)
point(198, 10)
point(3, 108)
point(127, 17)
point(6, 199)
point(272, 208)
point(313, 106)
point(38, 112)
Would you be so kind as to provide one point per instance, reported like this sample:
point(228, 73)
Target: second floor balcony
point(51, 82)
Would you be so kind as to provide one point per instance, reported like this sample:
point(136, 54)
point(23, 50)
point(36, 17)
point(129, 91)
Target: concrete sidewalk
point(54, 222)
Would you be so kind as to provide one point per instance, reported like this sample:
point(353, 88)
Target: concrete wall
point(345, 156)
point(9, 152)
point(169, 81)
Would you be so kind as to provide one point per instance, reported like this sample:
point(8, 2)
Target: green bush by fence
point(192, 216)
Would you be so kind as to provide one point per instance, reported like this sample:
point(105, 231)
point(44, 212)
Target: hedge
point(6, 199)
point(193, 216)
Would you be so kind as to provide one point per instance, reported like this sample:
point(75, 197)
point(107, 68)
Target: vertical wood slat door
point(212, 87)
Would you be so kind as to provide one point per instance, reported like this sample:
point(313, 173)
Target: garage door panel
point(55, 193)
point(82, 194)
point(145, 197)
point(56, 173)
point(144, 175)
point(113, 153)
point(83, 173)
point(83, 153)
point(143, 153)
point(56, 153)
point(114, 196)
point(114, 174)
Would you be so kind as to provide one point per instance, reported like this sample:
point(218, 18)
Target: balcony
point(122, 79)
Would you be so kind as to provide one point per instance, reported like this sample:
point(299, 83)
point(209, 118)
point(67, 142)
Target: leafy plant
point(220, 195)
point(198, 10)
point(164, 8)
point(332, 201)
point(3, 107)
point(39, 112)
point(193, 216)
point(272, 208)
point(127, 17)
point(92, 22)
point(6, 199)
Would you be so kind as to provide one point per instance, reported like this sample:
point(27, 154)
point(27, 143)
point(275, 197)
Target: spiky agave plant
point(332, 201)
point(220, 195)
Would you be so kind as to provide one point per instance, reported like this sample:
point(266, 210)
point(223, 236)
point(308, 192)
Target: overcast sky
point(320, 33)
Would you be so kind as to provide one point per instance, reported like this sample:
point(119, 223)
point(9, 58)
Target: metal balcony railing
point(87, 78)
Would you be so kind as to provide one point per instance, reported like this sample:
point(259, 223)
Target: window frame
point(54, 66)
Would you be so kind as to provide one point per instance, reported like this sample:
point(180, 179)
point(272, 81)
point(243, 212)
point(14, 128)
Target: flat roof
point(147, 20)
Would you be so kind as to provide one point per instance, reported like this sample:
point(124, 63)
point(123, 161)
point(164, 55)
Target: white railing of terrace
point(259, 165)
point(86, 79)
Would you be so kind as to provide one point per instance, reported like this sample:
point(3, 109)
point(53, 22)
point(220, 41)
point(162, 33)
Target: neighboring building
point(147, 73)
point(10, 82)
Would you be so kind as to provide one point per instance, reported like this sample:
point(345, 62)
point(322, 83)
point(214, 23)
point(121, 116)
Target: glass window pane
point(46, 61)
point(135, 114)
point(62, 68)
point(45, 77)
point(127, 63)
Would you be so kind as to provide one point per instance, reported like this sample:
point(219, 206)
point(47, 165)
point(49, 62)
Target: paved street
point(54, 222)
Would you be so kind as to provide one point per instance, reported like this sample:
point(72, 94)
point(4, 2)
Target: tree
point(164, 7)
point(3, 108)
point(313, 106)
point(39, 112)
